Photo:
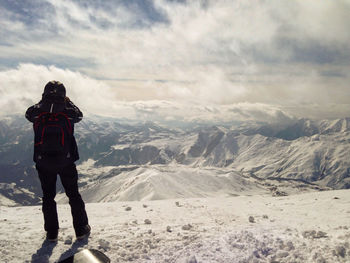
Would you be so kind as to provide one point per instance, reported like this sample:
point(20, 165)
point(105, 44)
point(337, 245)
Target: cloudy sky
point(220, 59)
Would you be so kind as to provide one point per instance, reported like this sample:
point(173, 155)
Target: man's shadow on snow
point(73, 249)
point(44, 253)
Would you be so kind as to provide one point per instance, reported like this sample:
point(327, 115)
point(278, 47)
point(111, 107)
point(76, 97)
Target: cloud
point(23, 87)
point(166, 111)
point(150, 35)
point(284, 54)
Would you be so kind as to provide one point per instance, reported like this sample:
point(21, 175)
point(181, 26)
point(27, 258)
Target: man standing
point(55, 151)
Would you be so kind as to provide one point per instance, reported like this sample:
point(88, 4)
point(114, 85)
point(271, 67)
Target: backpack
point(53, 135)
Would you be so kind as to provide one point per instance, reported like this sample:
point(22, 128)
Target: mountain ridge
point(309, 150)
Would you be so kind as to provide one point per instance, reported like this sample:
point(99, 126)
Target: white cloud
point(23, 87)
point(204, 52)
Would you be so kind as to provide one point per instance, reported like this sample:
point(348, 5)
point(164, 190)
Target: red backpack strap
point(69, 126)
point(38, 119)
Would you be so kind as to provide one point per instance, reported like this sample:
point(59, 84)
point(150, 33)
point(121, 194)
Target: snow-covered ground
point(305, 227)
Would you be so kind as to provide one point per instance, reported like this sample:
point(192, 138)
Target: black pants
point(69, 179)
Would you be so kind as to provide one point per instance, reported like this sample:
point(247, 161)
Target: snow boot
point(52, 235)
point(83, 232)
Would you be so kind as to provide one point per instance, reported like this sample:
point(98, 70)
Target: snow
point(313, 151)
point(155, 182)
point(88, 167)
point(204, 195)
point(304, 227)
point(6, 201)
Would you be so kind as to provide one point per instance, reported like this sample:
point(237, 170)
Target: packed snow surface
point(305, 227)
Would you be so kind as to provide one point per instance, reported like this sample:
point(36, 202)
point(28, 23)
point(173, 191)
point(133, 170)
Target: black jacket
point(55, 106)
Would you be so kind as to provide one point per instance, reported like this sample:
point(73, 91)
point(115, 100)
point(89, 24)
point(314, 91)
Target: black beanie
point(54, 88)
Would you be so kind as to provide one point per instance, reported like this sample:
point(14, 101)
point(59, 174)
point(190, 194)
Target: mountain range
point(128, 160)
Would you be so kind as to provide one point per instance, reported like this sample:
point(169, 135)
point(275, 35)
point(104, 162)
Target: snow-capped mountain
point(110, 149)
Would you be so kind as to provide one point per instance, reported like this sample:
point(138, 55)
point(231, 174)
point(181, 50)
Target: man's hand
point(66, 99)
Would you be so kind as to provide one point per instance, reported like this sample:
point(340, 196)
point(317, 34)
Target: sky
point(170, 59)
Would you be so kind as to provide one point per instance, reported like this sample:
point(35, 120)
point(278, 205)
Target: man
point(55, 151)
